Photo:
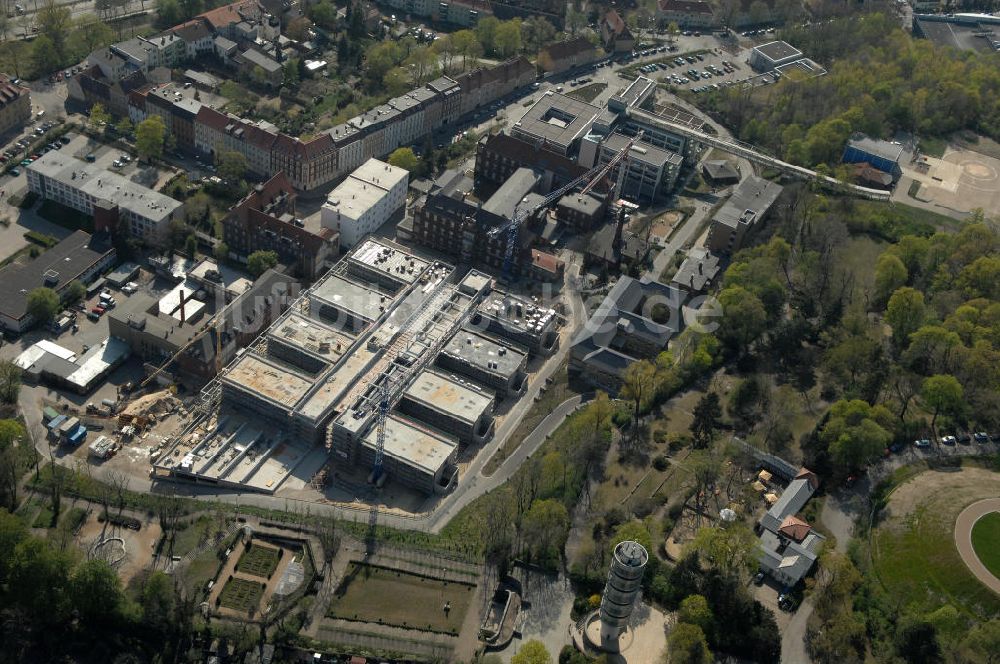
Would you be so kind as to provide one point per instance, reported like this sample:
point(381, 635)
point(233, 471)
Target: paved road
point(963, 540)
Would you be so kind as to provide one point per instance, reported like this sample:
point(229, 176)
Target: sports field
point(392, 597)
point(986, 542)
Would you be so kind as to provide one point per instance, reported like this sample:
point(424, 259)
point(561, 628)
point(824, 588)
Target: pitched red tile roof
point(546, 261)
point(222, 17)
point(805, 473)
point(794, 528)
point(212, 118)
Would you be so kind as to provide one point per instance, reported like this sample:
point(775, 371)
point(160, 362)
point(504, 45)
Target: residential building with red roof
point(265, 220)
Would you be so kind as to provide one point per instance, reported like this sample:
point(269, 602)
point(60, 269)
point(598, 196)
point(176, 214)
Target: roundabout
point(982, 520)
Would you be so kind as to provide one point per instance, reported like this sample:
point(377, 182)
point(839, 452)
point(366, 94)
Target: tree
point(687, 645)
point(124, 127)
point(905, 313)
point(298, 29)
point(232, 166)
point(396, 81)
point(95, 591)
point(745, 318)
point(545, 526)
point(10, 381)
point(942, 393)
point(984, 640)
point(422, 63)
point(732, 550)
point(890, 275)
point(694, 610)
point(260, 262)
point(54, 22)
point(191, 245)
point(637, 387)
point(466, 45)
point(41, 52)
point(508, 38)
point(635, 531)
point(75, 292)
point(856, 432)
point(150, 136)
point(98, 116)
point(486, 30)
point(91, 33)
point(221, 251)
point(536, 32)
point(707, 415)
point(43, 304)
point(405, 159)
point(290, 73)
point(532, 652)
point(575, 20)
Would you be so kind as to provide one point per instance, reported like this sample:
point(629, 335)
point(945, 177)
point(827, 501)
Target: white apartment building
point(365, 200)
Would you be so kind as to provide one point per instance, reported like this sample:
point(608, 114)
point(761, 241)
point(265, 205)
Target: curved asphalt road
point(963, 540)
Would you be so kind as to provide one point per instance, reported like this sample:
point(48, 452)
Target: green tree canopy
point(10, 381)
point(43, 304)
point(857, 432)
point(532, 652)
point(942, 394)
point(75, 292)
point(695, 610)
point(687, 645)
point(232, 166)
point(405, 158)
point(260, 262)
point(150, 137)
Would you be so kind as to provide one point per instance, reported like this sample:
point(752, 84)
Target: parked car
point(922, 443)
point(759, 579)
point(98, 310)
point(948, 440)
point(15, 171)
point(94, 316)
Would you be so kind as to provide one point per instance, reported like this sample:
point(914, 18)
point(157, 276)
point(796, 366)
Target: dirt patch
point(139, 544)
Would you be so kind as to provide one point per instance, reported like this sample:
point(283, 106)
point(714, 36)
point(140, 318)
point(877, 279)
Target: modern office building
point(556, 122)
point(771, 55)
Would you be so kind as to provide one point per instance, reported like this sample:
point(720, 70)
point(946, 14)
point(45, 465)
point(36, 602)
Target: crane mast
point(589, 180)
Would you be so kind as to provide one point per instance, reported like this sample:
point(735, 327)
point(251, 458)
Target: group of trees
point(880, 80)
point(853, 616)
point(61, 40)
point(54, 604)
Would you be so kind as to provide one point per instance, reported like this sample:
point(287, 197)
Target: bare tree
point(119, 483)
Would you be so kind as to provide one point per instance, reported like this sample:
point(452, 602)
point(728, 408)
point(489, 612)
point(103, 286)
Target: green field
point(986, 542)
point(376, 594)
point(913, 549)
point(258, 560)
point(241, 595)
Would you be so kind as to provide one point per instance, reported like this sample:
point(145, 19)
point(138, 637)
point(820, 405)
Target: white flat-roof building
point(83, 186)
point(365, 200)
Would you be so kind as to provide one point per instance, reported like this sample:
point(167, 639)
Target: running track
point(963, 540)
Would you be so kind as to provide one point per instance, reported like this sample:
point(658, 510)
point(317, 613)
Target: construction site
point(387, 367)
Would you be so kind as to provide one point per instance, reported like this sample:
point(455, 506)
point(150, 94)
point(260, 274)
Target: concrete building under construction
point(385, 336)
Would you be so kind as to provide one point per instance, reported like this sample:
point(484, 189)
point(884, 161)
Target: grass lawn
point(913, 550)
point(258, 560)
point(933, 147)
point(241, 595)
point(44, 518)
point(374, 594)
point(986, 542)
point(554, 395)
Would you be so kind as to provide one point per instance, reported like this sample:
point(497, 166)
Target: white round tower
point(624, 584)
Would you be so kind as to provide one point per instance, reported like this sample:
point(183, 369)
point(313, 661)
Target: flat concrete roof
point(413, 445)
point(102, 184)
point(516, 312)
point(260, 376)
point(390, 258)
point(335, 383)
point(228, 278)
point(557, 118)
point(365, 187)
point(642, 151)
point(446, 395)
point(352, 297)
point(311, 336)
point(778, 50)
point(482, 352)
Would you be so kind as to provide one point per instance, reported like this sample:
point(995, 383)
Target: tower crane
point(522, 213)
